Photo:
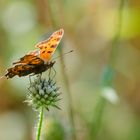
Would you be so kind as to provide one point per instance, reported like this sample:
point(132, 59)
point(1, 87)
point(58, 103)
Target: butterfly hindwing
point(22, 69)
point(29, 59)
point(24, 66)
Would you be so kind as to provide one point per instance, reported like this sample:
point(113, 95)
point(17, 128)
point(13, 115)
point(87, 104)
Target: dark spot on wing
point(53, 46)
point(49, 51)
point(43, 52)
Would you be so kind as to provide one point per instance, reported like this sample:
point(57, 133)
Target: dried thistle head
point(43, 93)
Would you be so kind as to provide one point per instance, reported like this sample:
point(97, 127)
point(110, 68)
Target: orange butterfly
point(37, 61)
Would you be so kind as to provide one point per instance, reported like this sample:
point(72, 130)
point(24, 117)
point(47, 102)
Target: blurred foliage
point(53, 130)
point(90, 27)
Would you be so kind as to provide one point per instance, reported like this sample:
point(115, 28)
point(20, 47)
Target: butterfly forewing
point(48, 46)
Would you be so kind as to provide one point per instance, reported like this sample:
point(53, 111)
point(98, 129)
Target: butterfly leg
point(54, 72)
point(49, 75)
point(30, 79)
point(40, 76)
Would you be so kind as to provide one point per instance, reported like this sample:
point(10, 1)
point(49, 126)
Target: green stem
point(108, 74)
point(40, 124)
point(117, 37)
point(51, 14)
point(98, 113)
point(65, 77)
point(70, 104)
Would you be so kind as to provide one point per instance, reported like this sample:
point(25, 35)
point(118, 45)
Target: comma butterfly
point(37, 61)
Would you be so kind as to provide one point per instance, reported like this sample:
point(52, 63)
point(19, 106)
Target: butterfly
point(37, 61)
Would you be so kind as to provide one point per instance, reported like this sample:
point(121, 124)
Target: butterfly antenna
point(63, 54)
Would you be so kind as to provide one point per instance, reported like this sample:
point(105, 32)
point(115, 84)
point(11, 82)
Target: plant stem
point(53, 22)
point(108, 74)
point(40, 124)
point(65, 77)
point(98, 113)
point(116, 39)
point(70, 105)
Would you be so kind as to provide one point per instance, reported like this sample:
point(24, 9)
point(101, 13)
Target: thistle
point(43, 93)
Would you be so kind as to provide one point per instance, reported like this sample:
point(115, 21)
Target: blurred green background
point(100, 80)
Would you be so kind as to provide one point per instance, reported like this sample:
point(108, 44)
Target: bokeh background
point(100, 80)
